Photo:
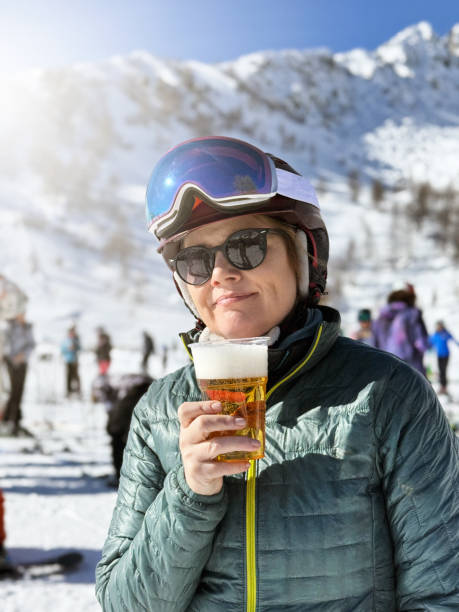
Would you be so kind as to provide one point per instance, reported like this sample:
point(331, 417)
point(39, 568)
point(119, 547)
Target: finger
point(188, 411)
point(227, 444)
point(204, 425)
point(217, 469)
point(218, 422)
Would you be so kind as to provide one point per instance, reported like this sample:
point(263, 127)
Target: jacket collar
point(293, 349)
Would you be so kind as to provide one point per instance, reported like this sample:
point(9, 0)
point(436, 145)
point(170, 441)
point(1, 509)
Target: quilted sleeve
point(420, 476)
point(160, 535)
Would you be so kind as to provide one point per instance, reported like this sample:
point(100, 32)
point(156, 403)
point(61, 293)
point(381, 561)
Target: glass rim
point(262, 340)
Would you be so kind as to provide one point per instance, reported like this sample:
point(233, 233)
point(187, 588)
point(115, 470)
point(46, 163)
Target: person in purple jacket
point(400, 328)
point(439, 341)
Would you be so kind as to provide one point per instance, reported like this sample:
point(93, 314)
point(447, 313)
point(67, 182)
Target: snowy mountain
point(377, 132)
point(80, 143)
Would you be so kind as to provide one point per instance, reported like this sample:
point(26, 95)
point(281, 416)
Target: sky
point(52, 33)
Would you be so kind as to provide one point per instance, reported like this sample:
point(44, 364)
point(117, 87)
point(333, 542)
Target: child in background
point(364, 332)
point(439, 341)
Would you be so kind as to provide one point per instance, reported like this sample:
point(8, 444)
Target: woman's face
point(237, 303)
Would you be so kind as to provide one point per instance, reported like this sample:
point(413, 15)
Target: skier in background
point(148, 348)
point(19, 343)
point(120, 396)
point(364, 331)
point(400, 328)
point(70, 348)
point(12, 301)
point(439, 341)
point(103, 351)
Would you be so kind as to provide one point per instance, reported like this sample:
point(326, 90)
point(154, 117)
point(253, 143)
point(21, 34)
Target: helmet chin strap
point(301, 244)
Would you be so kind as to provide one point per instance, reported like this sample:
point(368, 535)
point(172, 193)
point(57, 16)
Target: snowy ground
point(56, 491)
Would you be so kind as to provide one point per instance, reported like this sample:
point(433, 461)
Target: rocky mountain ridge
point(82, 141)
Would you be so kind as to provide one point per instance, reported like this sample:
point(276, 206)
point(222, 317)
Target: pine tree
point(354, 185)
point(377, 192)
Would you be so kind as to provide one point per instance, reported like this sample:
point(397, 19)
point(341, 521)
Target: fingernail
point(214, 406)
point(239, 421)
point(255, 443)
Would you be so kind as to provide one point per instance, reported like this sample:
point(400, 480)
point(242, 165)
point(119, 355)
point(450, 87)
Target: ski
point(40, 568)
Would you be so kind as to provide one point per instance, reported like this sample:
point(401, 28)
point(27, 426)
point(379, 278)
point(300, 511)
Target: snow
point(82, 142)
point(57, 496)
point(419, 157)
point(359, 62)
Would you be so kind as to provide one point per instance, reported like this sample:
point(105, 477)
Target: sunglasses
point(244, 249)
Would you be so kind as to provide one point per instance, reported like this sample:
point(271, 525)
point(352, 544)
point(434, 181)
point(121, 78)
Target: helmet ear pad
point(182, 287)
point(301, 244)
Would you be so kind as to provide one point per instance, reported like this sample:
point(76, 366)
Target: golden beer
point(235, 372)
point(242, 397)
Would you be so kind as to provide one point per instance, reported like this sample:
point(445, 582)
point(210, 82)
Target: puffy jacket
point(354, 506)
point(400, 329)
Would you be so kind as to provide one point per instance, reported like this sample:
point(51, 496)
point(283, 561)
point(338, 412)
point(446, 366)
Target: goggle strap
point(310, 235)
point(295, 187)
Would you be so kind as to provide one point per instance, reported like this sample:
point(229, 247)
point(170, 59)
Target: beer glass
point(235, 372)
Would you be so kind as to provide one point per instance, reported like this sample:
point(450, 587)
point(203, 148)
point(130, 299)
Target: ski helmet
point(204, 180)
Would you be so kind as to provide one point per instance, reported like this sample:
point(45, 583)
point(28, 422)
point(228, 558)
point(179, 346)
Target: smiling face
point(237, 303)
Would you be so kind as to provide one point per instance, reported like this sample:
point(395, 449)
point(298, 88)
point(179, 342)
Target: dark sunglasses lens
point(246, 249)
point(194, 265)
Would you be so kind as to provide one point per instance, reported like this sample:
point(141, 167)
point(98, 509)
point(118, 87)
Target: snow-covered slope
point(81, 142)
point(78, 146)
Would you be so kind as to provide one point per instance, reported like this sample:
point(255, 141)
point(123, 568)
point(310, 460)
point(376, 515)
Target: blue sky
point(47, 33)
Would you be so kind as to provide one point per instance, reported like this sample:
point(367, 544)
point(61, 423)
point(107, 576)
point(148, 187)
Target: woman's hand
point(203, 474)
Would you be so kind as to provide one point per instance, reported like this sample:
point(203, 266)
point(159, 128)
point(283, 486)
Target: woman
point(353, 506)
point(19, 344)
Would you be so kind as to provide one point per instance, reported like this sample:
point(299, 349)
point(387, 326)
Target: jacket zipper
point(251, 560)
point(250, 542)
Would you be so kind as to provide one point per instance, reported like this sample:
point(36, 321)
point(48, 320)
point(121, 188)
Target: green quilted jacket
point(354, 506)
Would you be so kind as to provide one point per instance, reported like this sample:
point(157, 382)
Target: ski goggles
point(244, 249)
point(229, 174)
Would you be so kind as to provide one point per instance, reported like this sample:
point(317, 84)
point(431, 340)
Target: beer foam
point(230, 360)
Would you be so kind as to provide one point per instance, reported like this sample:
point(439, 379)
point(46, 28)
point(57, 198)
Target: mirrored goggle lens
point(221, 167)
point(245, 250)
